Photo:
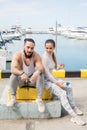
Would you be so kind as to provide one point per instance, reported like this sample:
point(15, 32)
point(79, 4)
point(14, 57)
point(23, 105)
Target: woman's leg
point(69, 93)
point(64, 101)
point(62, 96)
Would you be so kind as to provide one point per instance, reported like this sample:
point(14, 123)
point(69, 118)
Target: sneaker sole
point(77, 123)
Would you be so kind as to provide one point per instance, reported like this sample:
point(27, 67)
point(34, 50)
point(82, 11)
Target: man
point(26, 67)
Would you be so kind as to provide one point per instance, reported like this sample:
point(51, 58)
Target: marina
point(66, 23)
point(71, 44)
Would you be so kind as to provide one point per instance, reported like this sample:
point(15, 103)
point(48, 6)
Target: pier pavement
point(80, 96)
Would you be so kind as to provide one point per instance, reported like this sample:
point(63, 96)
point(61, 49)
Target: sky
point(43, 13)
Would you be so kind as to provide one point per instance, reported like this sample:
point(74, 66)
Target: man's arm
point(39, 66)
point(38, 63)
point(16, 64)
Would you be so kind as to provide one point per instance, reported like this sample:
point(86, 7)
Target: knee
point(63, 94)
point(40, 77)
point(69, 87)
point(13, 77)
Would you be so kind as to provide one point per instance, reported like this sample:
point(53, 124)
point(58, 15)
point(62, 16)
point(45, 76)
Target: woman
point(58, 87)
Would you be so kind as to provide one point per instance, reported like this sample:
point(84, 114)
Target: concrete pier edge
point(56, 73)
point(29, 110)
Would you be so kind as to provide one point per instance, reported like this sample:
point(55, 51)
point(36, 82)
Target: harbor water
point(71, 52)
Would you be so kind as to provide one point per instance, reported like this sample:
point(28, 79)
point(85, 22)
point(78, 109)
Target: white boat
point(73, 32)
point(2, 63)
point(75, 35)
point(10, 35)
point(5, 53)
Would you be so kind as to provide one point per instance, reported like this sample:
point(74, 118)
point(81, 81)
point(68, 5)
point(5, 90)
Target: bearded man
point(26, 68)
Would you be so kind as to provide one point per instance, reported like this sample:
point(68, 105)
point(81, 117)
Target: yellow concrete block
point(0, 74)
point(30, 94)
point(83, 73)
point(58, 73)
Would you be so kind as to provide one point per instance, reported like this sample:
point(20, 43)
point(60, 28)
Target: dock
point(79, 86)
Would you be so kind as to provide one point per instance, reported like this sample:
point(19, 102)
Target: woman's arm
point(48, 73)
point(45, 62)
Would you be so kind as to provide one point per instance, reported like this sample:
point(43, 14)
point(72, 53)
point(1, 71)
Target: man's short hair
point(29, 40)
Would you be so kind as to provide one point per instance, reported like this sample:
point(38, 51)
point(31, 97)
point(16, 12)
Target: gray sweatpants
point(65, 95)
point(16, 81)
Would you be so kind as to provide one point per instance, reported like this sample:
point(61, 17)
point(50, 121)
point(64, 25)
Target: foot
point(40, 104)
point(78, 121)
point(12, 102)
point(77, 111)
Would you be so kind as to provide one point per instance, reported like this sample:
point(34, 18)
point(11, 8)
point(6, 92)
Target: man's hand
point(35, 76)
point(24, 77)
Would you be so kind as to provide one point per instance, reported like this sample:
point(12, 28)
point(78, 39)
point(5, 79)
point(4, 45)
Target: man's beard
point(28, 56)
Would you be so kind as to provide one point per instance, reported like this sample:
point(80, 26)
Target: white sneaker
point(78, 121)
point(12, 102)
point(40, 104)
point(77, 111)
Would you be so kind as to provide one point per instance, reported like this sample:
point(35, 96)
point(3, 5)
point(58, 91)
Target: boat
point(5, 58)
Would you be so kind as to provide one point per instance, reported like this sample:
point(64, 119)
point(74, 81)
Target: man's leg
point(40, 87)
point(14, 82)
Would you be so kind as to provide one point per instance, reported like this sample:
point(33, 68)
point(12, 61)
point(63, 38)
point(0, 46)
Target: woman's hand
point(60, 84)
point(61, 66)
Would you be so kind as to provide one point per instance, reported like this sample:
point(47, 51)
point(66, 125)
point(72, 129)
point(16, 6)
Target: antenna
point(56, 38)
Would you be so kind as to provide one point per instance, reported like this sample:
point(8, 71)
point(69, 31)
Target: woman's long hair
point(53, 55)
